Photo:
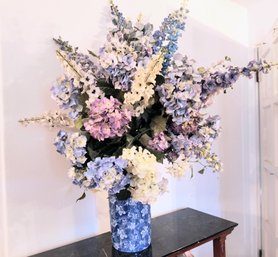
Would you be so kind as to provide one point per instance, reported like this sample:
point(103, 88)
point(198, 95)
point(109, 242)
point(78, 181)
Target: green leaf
point(202, 171)
point(109, 90)
point(159, 80)
point(144, 139)
point(78, 123)
point(103, 83)
point(129, 140)
point(81, 197)
point(82, 99)
point(65, 45)
point(159, 155)
point(158, 124)
point(136, 125)
point(118, 151)
point(92, 53)
point(201, 70)
point(94, 144)
point(114, 21)
point(123, 194)
point(93, 154)
point(110, 147)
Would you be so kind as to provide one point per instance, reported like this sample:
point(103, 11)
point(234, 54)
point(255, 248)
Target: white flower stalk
point(142, 90)
point(55, 119)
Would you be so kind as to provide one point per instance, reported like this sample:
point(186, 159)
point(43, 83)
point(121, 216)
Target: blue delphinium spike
point(168, 34)
point(118, 19)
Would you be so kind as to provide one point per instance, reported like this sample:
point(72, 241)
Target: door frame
point(3, 198)
point(261, 52)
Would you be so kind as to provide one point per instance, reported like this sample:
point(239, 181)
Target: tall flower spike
point(55, 119)
point(118, 18)
point(169, 32)
point(184, 3)
point(142, 90)
point(221, 80)
point(76, 63)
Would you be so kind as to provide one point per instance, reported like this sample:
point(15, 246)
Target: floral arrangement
point(136, 103)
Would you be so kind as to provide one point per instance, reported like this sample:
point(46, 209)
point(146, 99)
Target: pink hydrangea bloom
point(159, 142)
point(107, 119)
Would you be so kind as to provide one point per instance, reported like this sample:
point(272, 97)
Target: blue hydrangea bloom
point(108, 174)
point(67, 144)
point(60, 141)
point(66, 95)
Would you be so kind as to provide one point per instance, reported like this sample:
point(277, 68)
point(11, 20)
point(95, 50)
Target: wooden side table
point(172, 234)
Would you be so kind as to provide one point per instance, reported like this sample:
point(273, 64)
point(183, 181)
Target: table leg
point(219, 247)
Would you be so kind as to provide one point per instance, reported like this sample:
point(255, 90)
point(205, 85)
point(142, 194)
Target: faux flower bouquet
point(136, 103)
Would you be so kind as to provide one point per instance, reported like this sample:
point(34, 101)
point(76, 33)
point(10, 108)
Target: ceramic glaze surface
point(130, 225)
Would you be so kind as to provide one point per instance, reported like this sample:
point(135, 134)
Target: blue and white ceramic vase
point(130, 225)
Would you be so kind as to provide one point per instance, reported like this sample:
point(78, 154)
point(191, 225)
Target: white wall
point(233, 193)
point(40, 201)
point(226, 17)
point(262, 16)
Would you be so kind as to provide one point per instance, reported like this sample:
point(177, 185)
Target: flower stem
point(68, 62)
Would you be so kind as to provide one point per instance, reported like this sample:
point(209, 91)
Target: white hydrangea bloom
point(115, 50)
point(178, 167)
point(71, 173)
point(146, 182)
point(69, 153)
point(76, 141)
point(109, 179)
point(81, 141)
point(93, 93)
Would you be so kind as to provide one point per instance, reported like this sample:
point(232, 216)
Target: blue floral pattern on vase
point(130, 225)
point(145, 253)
